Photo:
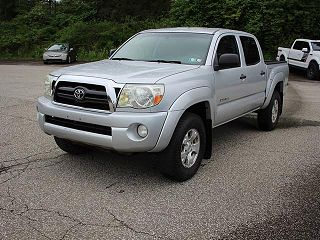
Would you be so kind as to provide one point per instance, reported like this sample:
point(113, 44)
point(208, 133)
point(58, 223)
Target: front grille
point(88, 127)
point(95, 95)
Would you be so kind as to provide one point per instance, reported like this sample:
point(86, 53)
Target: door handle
point(243, 77)
point(263, 73)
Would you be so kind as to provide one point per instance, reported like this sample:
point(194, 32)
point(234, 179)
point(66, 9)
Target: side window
point(227, 44)
point(297, 45)
point(250, 50)
point(306, 45)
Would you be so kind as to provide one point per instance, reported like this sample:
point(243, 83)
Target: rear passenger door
point(255, 71)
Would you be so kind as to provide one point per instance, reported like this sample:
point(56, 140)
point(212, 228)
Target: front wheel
point(68, 59)
point(70, 146)
point(313, 71)
point(181, 159)
point(268, 118)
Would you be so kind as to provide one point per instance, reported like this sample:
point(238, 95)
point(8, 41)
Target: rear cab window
point(250, 50)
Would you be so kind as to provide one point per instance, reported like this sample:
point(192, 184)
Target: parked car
point(163, 91)
point(304, 54)
point(60, 52)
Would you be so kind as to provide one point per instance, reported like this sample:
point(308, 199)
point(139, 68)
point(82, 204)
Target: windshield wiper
point(165, 61)
point(128, 59)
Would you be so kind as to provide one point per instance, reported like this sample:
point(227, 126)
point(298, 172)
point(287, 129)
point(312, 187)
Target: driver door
point(230, 87)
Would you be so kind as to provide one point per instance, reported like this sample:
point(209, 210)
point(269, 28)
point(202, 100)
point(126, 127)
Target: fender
point(182, 103)
point(314, 59)
point(191, 97)
point(271, 84)
point(284, 53)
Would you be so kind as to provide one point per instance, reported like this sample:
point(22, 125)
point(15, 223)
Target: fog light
point(142, 131)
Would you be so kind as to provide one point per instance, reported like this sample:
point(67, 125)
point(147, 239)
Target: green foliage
point(96, 26)
point(274, 22)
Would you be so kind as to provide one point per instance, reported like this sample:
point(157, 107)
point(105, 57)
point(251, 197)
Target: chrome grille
point(95, 96)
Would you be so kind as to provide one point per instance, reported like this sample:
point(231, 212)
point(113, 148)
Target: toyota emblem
point(79, 93)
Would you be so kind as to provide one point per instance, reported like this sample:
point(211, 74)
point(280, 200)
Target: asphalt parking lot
point(258, 185)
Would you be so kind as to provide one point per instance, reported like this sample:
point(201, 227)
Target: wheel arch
point(202, 109)
point(284, 56)
point(197, 101)
point(316, 61)
point(276, 84)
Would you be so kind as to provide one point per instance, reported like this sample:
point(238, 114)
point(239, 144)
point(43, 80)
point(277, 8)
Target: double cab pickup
point(163, 91)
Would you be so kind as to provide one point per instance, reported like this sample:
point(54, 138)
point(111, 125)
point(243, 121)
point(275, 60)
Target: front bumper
point(124, 137)
point(61, 58)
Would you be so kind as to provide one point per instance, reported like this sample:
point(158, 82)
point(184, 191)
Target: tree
point(7, 9)
point(120, 9)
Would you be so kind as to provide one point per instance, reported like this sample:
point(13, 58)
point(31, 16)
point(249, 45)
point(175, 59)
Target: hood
point(126, 71)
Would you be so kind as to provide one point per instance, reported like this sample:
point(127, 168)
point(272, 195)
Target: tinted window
point(298, 45)
point(316, 46)
point(250, 50)
point(227, 44)
point(306, 45)
point(187, 48)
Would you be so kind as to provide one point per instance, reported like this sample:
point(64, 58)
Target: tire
point(268, 118)
point(68, 59)
point(45, 62)
point(313, 71)
point(71, 147)
point(282, 58)
point(171, 163)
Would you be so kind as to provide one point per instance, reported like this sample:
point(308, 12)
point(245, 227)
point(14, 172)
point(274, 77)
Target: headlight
point(48, 84)
point(140, 96)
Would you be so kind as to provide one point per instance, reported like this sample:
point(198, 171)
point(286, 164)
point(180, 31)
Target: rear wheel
point(268, 118)
point(70, 146)
point(313, 71)
point(282, 58)
point(181, 159)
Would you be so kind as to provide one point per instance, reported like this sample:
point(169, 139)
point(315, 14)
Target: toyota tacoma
point(163, 91)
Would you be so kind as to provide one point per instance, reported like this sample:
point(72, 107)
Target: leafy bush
point(94, 31)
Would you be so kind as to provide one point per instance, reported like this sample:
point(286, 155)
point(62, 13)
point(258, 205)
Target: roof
point(194, 30)
point(185, 29)
point(307, 40)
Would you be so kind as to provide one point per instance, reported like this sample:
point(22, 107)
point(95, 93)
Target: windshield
point(58, 48)
point(315, 46)
point(185, 48)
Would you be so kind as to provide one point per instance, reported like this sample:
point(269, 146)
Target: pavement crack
point(23, 118)
point(112, 184)
point(4, 169)
point(69, 229)
point(21, 167)
point(32, 155)
point(37, 230)
point(126, 225)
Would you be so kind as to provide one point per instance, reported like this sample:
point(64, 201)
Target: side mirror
point(227, 60)
point(112, 51)
point(305, 50)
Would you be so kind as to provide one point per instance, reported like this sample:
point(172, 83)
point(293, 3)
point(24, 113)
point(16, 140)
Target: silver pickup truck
point(163, 91)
